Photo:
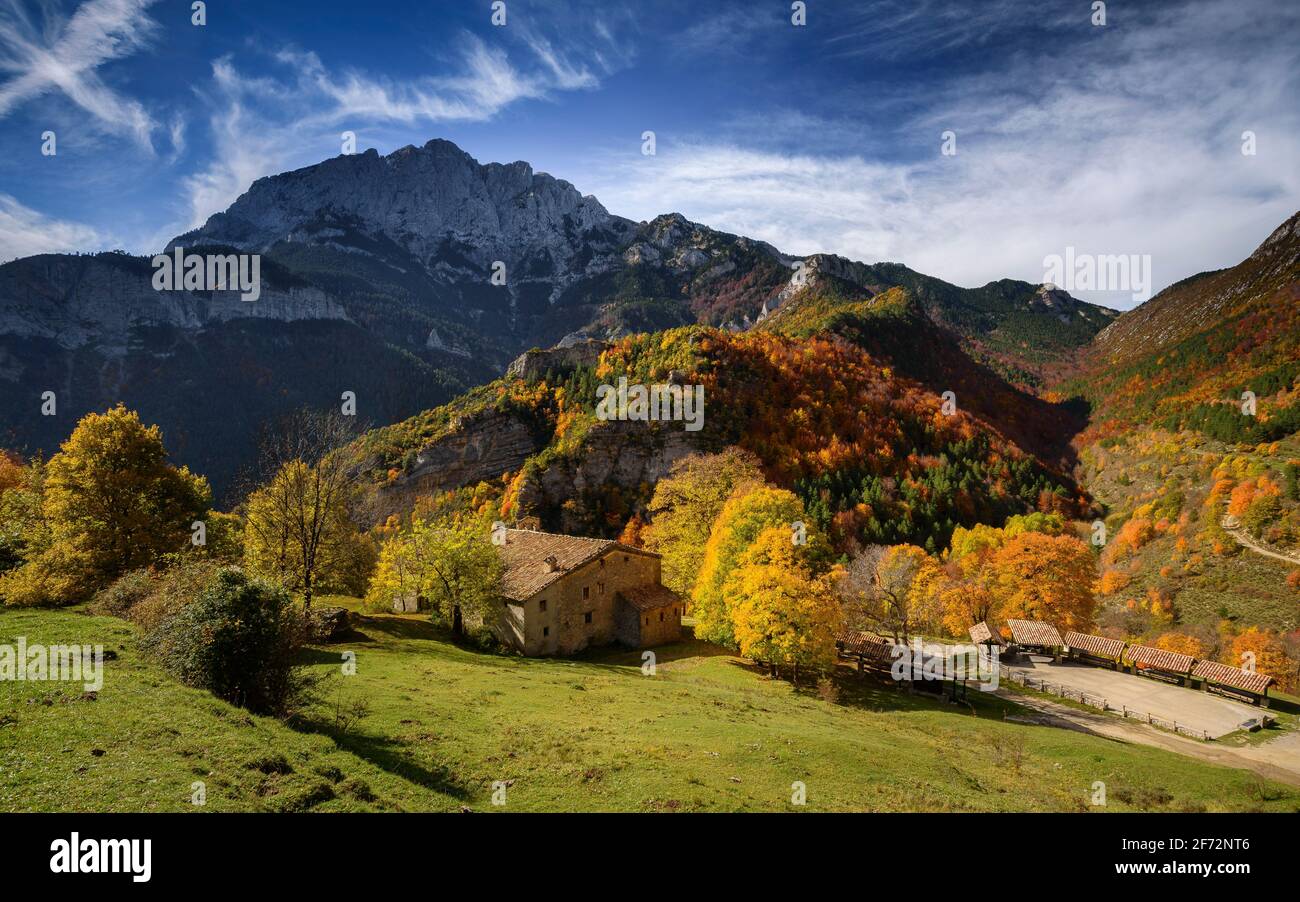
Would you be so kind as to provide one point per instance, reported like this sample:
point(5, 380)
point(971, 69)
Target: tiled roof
point(983, 633)
point(1034, 632)
point(525, 552)
point(1232, 676)
point(1159, 659)
point(649, 598)
point(856, 642)
point(1099, 646)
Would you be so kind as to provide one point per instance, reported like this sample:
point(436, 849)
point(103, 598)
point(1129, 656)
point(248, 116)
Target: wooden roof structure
point(1034, 632)
point(1159, 659)
point(868, 645)
point(1097, 646)
point(983, 633)
point(1234, 677)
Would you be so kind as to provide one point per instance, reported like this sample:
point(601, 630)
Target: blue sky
point(1122, 138)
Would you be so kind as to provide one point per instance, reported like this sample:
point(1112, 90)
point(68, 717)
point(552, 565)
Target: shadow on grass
point(876, 691)
point(397, 628)
point(1284, 705)
point(620, 657)
point(388, 755)
point(613, 657)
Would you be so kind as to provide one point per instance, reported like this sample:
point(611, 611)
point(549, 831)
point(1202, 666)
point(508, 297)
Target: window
point(586, 618)
point(546, 631)
point(541, 605)
point(661, 616)
point(600, 588)
point(626, 559)
point(647, 621)
point(586, 592)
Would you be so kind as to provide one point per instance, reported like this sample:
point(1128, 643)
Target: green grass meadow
point(444, 723)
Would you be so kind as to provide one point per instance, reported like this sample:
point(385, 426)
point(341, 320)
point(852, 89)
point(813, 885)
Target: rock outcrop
point(481, 447)
point(562, 357)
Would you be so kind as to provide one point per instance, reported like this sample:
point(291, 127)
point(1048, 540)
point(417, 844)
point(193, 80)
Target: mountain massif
point(477, 312)
point(409, 278)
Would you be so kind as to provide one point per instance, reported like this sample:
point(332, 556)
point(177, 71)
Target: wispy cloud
point(24, 232)
point(309, 101)
point(1134, 148)
point(62, 55)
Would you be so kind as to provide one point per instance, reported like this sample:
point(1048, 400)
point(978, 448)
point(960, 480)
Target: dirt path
point(1245, 541)
point(1278, 759)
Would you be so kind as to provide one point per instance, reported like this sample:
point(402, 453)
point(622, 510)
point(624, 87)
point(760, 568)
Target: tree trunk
point(457, 624)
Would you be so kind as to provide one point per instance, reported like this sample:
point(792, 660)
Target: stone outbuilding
point(562, 594)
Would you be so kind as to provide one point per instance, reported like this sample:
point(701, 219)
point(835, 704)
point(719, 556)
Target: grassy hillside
point(706, 733)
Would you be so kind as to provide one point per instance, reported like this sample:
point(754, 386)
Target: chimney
point(552, 564)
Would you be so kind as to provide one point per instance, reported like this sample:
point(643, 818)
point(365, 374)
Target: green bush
point(237, 639)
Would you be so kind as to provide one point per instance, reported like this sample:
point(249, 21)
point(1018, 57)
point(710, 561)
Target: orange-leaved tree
point(1042, 577)
point(1262, 650)
point(1182, 644)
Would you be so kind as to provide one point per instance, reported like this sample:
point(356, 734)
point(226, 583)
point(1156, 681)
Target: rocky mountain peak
point(420, 198)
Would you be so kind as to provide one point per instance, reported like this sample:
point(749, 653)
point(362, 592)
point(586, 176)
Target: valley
point(944, 456)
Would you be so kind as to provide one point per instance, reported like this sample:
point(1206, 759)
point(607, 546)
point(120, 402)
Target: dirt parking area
point(1193, 708)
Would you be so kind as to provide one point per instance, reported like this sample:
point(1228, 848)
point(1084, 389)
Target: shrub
point(124, 593)
point(150, 595)
point(237, 639)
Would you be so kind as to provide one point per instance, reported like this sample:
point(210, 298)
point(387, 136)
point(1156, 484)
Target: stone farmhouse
point(564, 593)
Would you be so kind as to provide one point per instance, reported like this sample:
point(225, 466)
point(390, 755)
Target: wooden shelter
point(868, 648)
point(1170, 666)
point(1247, 685)
point(983, 633)
point(1090, 649)
point(1036, 636)
point(952, 665)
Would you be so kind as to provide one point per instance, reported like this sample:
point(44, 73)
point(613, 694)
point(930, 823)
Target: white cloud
point(252, 116)
point(1135, 150)
point(24, 232)
point(63, 56)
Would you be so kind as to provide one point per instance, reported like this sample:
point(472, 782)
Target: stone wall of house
point(661, 626)
point(563, 627)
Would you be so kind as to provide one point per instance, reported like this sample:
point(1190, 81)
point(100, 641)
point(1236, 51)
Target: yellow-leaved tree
point(110, 503)
point(752, 508)
point(684, 506)
point(780, 613)
point(298, 532)
point(449, 564)
point(299, 528)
